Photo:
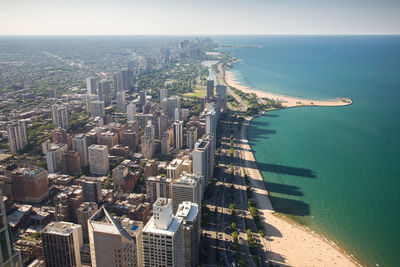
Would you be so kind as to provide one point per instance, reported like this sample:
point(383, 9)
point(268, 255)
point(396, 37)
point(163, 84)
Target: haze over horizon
point(177, 17)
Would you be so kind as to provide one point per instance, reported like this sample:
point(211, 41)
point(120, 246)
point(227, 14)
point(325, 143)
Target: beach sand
point(287, 243)
point(287, 101)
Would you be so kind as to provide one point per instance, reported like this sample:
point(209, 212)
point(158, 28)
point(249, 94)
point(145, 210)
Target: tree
point(233, 225)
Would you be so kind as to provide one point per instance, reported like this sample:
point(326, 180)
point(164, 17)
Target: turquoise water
point(338, 168)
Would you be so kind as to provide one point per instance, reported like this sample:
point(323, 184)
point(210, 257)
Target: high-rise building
point(59, 135)
point(17, 136)
point(158, 186)
point(211, 123)
point(142, 97)
point(163, 94)
point(89, 99)
point(147, 147)
point(30, 184)
point(149, 130)
point(104, 92)
point(221, 90)
point(71, 163)
point(201, 162)
point(97, 108)
point(108, 139)
point(174, 169)
point(210, 88)
point(178, 133)
point(67, 202)
point(186, 188)
point(54, 157)
point(121, 105)
point(191, 137)
point(190, 213)
point(130, 139)
point(59, 115)
point(131, 111)
point(98, 159)
point(110, 244)
point(118, 174)
point(165, 143)
point(163, 237)
point(169, 105)
point(61, 244)
point(84, 212)
point(91, 86)
point(91, 190)
point(8, 257)
point(79, 145)
point(123, 77)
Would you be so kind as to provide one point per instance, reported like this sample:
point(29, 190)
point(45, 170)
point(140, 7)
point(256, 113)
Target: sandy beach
point(288, 244)
point(287, 101)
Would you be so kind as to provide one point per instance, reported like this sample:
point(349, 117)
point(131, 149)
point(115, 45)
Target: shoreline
point(287, 101)
point(287, 242)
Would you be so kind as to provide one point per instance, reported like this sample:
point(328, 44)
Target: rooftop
point(60, 228)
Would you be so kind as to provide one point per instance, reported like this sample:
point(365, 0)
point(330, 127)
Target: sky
point(198, 17)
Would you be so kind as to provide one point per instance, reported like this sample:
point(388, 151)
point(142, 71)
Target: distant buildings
point(8, 257)
point(61, 244)
point(163, 94)
point(59, 115)
point(163, 237)
point(91, 86)
point(17, 136)
point(210, 88)
point(110, 244)
point(98, 159)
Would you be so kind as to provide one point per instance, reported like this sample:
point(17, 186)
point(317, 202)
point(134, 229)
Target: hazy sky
point(196, 17)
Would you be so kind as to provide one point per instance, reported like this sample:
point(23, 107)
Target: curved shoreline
point(288, 243)
point(287, 101)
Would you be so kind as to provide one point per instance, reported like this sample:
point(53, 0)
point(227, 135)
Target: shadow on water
point(271, 115)
point(290, 206)
point(284, 189)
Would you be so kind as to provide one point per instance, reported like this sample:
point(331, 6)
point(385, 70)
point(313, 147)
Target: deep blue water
point(335, 168)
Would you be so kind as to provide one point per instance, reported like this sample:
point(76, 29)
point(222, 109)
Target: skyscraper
point(221, 90)
point(163, 94)
point(191, 137)
point(97, 108)
point(84, 212)
point(104, 92)
point(17, 136)
point(110, 244)
point(79, 145)
point(8, 257)
point(61, 244)
point(190, 213)
point(142, 97)
point(131, 111)
point(91, 86)
point(201, 161)
point(211, 123)
point(163, 237)
point(98, 159)
point(210, 88)
point(121, 105)
point(147, 147)
point(158, 186)
point(91, 190)
point(178, 133)
point(59, 115)
point(186, 188)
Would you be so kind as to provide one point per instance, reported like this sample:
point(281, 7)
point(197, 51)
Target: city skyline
point(198, 18)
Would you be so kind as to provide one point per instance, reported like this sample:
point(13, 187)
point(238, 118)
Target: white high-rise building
point(147, 147)
point(158, 186)
point(131, 111)
point(201, 162)
point(190, 213)
point(163, 94)
point(8, 257)
point(79, 145)
point(98, 159)
point(211, 123)
point(61, 244)
point(89, 99)
point(178, 133)
point(110, 244)
point(54, 157)
point(149, 130)
point(186, 188)
point(17, 136)
point(121, 105)
point(91, 86)
point(163, 237)
point(59, 115)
